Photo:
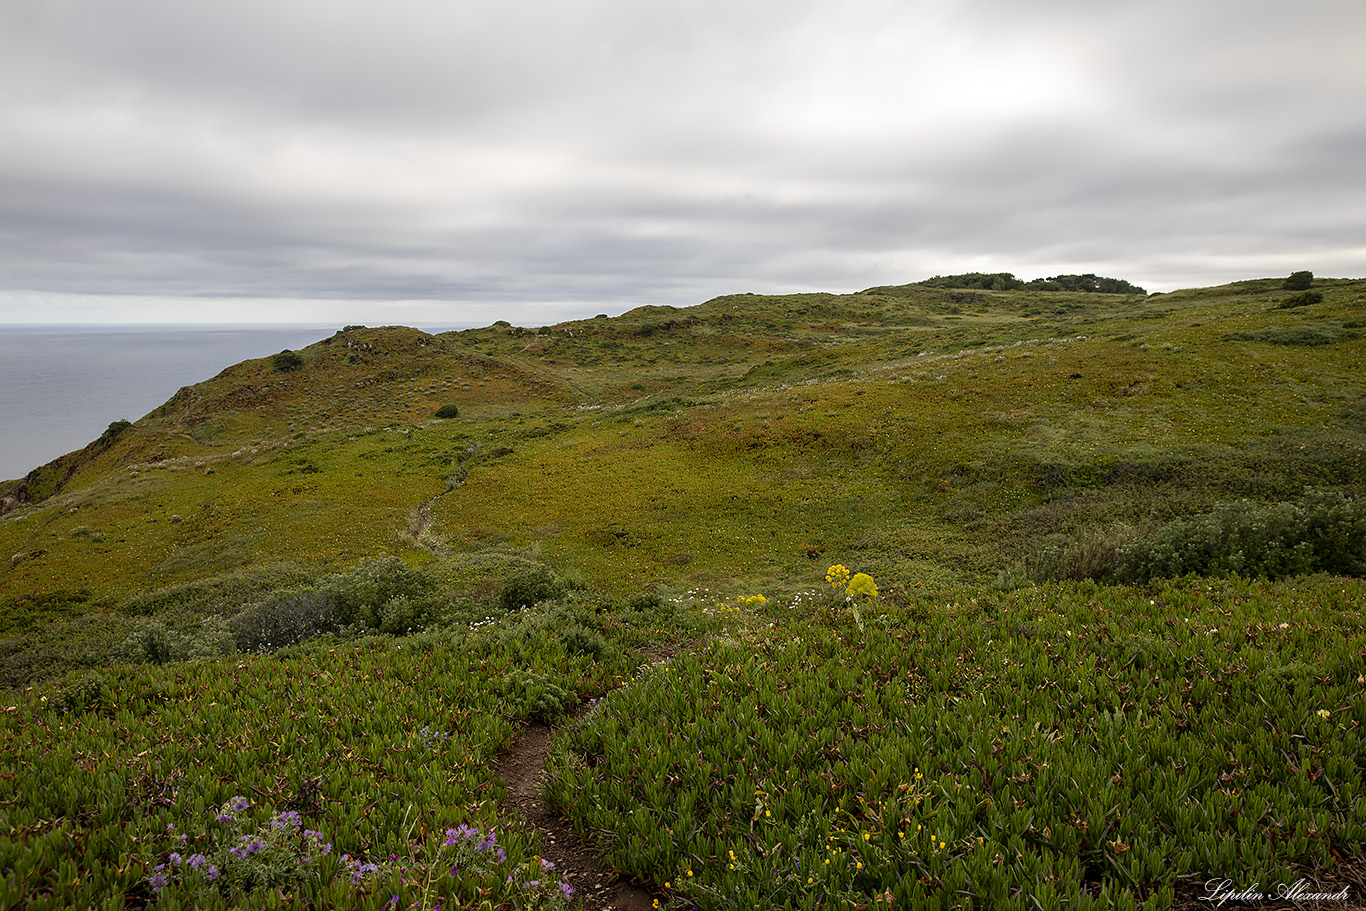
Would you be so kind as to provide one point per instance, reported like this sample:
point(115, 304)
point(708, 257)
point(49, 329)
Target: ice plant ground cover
point(341, 773)
point(1071, 743)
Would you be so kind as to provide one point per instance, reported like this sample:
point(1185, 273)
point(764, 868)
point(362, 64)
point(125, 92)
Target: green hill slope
point(927, 433)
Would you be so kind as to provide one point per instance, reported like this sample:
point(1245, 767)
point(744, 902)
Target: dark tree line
point(1005, 281)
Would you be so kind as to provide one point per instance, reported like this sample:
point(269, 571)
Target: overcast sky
point(449, 162)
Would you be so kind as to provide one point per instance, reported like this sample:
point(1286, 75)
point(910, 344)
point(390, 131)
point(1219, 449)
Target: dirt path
point(600, 888)
point(419, 522)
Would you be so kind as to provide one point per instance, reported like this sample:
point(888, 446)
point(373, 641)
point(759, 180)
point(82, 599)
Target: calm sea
point(61, 386)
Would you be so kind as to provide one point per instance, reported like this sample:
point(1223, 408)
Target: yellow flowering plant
point(858, 588)
point(862, 585)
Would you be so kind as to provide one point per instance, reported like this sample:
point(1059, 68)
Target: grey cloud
point(611, 151)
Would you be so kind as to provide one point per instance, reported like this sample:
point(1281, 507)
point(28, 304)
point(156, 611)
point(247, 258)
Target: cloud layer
point(540, 159)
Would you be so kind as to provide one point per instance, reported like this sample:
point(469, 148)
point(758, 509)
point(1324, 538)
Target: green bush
point(364, 592)
point(581, 640)
point(1298, 281)
point(1325, 531)
point(530, 586)
point(1303, 299)
point(536, 697)
point(404, 614)
point(285, 618)
point(153, 642)
point(448, 411)
point(287, 360)
point(150, 643)
point(82, 691)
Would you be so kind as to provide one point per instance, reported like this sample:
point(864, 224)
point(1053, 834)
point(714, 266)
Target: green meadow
point(266, 645)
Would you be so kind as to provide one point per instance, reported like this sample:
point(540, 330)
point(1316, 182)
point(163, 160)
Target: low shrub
point(364, 592)
point(1324, 531)
point(1298, 281)
point(1095, 555)
point(286, 618)
point(286, 361)
point(536, 697)
point(580, 640)
point(447, 411)
point(1303, 299)
point(153, 642)
point(529, 586)
point(82, 691)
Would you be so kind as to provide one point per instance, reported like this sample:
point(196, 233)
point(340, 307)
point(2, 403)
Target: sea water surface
point(61, 386)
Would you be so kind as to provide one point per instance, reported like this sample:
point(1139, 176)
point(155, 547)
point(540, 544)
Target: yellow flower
point(862, 585)
point(837, 575)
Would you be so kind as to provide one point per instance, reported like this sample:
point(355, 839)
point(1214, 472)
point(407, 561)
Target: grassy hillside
point(920, 432)
point(1019, 471)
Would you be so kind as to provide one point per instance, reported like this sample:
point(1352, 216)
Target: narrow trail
point(523, 768)
point(601, 888)
point(419, 522)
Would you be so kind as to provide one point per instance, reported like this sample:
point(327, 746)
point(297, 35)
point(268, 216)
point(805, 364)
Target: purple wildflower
point(175, 860)
point(567, 889)
point(361, 870)
point(211, 873)
point(501, 855)
point(224, 817)
point(287, 818)
point(157, 882)
point(463, 833)
point(195, 861)
point(241, 803)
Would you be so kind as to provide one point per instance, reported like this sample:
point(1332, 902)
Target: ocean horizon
point(62, 385)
